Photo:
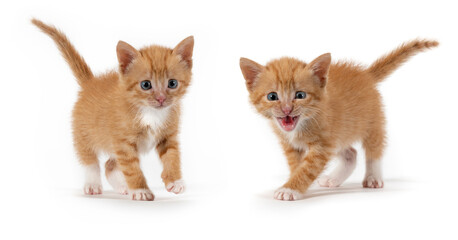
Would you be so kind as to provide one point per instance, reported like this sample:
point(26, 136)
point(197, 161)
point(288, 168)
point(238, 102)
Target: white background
point(232, 161)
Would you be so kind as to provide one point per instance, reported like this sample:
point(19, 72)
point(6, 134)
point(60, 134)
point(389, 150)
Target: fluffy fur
point(341, 106)
point(115, 115)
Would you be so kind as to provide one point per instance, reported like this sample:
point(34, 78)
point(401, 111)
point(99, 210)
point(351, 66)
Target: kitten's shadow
point(347, 188)
point(160, 196)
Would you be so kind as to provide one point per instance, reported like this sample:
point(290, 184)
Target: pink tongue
point(287, 120)
point(287, 123)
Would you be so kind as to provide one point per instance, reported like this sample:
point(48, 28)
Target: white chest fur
point(153, 117)
point(155, 120)
point(295, 141)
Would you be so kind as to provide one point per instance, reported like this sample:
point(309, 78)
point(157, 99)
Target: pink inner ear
point(184, 49)
point(250, 71)
point(126, 55)
point(125, 59)
point(320, 72)
point(320, 67)
point(186, 53)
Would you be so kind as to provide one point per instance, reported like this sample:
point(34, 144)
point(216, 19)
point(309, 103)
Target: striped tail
point(79, 67)
point(385, 65)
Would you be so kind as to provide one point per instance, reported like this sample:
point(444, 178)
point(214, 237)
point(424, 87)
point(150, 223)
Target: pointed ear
point(126, 55)
point(320, 68)
point(250, 70)
point(184, 50)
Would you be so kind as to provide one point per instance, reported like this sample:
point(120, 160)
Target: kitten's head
point(287, 90)
point(155, 76)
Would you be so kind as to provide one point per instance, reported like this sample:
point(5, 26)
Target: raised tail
point(79, 67)
point(385, 65)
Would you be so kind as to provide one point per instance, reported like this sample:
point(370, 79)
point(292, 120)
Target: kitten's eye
point(272, 96)
point(146, 85)
point(173, 83)
point(300, 95)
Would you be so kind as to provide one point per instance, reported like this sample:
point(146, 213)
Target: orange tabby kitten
point(129, 112)
point(318, 110)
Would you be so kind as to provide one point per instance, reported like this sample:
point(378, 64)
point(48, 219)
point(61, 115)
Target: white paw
point(287, 194)
point(122, 190)
point(372, 182)
point(176, 187)
point(142, 195)
point(92, 189)
point(329, 181)
point(117, 181)
point(93, 183)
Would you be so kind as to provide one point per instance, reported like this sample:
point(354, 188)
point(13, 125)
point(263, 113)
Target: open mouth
point(288, 123)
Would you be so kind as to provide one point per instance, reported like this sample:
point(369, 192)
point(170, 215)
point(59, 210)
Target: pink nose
point(160, 99)
point(286, 109)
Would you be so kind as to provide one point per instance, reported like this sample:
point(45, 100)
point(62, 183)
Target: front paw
point(287, 194)
point(141, 195)
point(176, 187)
point(373, 181)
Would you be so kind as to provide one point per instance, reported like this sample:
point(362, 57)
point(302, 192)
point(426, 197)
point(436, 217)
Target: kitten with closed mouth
point(128, 112)
point(319, 109)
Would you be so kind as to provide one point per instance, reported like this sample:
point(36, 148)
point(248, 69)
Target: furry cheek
point(268, 109)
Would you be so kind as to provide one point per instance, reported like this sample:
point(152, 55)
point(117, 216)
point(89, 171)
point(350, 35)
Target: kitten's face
point(287, 90)
point(155, 76)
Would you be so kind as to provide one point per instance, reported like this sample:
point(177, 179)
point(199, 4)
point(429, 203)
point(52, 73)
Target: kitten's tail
point(385, 65)
point(79, 67)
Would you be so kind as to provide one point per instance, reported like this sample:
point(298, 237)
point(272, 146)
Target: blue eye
point(272, 96)
point(173, 83)
point(300, 95)
point(146, 85)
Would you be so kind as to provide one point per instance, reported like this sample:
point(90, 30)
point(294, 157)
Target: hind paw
point(328, 181)
point(92, 189)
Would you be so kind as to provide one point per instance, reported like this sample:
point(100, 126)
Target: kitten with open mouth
point(319, 109)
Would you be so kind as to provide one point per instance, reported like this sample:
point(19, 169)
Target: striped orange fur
point(114, 114)
point(340, 105)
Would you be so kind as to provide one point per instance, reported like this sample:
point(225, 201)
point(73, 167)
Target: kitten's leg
point(129, 164)
point(115, 177)
point(304, 175)
point(294, 156)
point(345, 166)
point(373, 178)
point(170, 157)
point(93, 181)
point(374, 145)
